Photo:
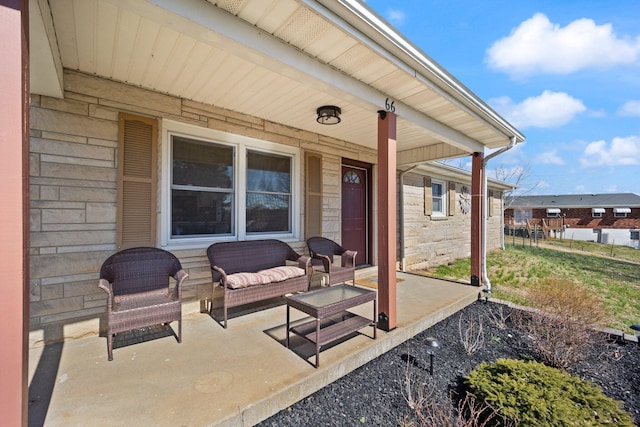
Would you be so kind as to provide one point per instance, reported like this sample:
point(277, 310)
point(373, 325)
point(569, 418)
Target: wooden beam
point(387, 317)
point(477, 173)
point(14, 210)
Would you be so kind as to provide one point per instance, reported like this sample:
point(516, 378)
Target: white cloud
point(550, 109)
point(580, 188)
point(613, 188)
point(630, 108)
point(396, 17)
point(550, 158)
point(597, 114)
point(621, 152)
point(539, 46)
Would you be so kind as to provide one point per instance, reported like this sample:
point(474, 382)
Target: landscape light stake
point(433, 345)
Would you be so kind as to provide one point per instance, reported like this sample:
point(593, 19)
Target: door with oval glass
point(356, 209)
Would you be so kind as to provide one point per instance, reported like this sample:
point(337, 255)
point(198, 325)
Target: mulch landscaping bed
point(372, 395)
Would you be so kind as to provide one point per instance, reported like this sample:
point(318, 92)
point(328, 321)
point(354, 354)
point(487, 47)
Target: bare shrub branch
point(498, 317)
point(563, 322)
point(428, 412)
point(471, 335)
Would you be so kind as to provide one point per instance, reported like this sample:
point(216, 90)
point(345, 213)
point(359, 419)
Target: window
point(222, 186)
point(268, 193)
point(635, 235)
point(621, 212)
point(521, 216)
point(351, 177)
point(597, 212)
point(202, 188)
point(438, 199)
point(553, 213)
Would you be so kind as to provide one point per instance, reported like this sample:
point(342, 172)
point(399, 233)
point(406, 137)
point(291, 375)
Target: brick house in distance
point(602, 218)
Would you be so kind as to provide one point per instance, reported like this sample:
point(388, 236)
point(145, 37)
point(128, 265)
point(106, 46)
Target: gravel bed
point(372, 395)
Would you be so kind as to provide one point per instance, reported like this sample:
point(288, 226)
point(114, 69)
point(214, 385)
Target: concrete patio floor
point(216, 377)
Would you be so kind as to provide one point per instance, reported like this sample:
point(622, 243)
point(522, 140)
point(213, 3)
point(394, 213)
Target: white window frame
point(620, 212)
point(241, 144)
point(597, 212)
point(555, 213)
point(443, 196)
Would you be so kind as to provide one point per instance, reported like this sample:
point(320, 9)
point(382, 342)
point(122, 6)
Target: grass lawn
point(512, 271)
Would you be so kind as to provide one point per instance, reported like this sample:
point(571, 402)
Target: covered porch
point(217, 377)
point(249, 74)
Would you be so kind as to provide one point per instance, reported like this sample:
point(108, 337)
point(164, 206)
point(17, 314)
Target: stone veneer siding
point(73, 192)
point(430, 242)
point(73, 198)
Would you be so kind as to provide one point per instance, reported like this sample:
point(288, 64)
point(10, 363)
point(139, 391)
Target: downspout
point(483, 257)
point(401, 195)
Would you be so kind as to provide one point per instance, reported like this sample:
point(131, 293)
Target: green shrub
point(533, 394)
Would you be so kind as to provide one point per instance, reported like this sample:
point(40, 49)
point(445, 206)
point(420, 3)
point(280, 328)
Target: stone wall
point(73, 193)
point(432, 241)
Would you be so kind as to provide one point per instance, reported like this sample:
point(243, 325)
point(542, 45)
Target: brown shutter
point(137, 157)
point(452, 198)
point(428, 196)
point(313, 195)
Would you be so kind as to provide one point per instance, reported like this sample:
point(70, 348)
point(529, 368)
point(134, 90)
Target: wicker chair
point(322, 251)
point(137, 283)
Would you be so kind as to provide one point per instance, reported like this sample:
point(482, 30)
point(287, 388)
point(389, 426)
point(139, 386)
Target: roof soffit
point(293, 56)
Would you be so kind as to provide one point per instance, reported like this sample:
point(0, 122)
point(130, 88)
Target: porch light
point(433, 345)
point(329, 115)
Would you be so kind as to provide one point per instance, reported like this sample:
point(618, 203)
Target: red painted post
point(477, 173)
point(387, 311)
point(14, 211)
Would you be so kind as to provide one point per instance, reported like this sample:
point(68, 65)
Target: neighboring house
point(179, 123)
point(602, 218)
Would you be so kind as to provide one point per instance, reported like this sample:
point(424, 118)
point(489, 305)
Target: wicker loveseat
point(255, 270)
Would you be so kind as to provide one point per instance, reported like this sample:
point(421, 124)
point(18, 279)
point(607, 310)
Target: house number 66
point(389, 106)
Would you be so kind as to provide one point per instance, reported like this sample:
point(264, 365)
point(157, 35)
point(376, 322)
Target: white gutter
point(483, 258)
point(401, 195)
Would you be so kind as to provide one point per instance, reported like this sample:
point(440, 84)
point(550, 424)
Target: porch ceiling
point(278, 60)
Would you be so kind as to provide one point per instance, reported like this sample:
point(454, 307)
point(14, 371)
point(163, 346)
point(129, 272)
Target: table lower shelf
point(332, 328)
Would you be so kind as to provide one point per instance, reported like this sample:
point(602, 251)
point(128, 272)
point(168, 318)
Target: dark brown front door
point(355, 211)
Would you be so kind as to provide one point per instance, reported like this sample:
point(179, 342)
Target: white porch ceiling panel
point(274, 59)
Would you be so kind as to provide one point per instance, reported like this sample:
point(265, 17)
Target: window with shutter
point(136, 210)
point(313, 194)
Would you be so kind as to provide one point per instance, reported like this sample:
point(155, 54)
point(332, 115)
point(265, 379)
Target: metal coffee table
point(332, 320)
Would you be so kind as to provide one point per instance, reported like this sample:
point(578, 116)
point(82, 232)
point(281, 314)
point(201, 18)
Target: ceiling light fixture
point(329, 115)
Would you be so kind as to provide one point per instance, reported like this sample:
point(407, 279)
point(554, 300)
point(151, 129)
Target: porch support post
point(387, 316)
point(14, 210)
point(477, 173)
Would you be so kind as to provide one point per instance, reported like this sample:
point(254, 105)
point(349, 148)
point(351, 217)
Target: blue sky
point(565, 73)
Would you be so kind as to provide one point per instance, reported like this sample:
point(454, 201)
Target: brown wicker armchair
point(322, 251)
point(137, 283)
